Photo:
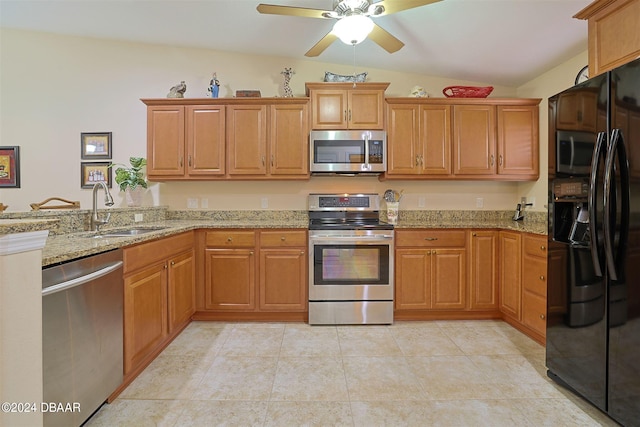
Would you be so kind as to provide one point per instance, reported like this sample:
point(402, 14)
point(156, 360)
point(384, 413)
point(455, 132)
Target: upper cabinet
point(492, 139)
point(614, 38)
point(578, 110)
point(337, 106)
point(258, 138)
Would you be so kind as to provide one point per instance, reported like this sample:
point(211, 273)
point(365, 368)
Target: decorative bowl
point(467, 91)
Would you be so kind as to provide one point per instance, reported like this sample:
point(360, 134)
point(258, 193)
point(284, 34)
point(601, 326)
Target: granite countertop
point(10, 226)
point(501, 224)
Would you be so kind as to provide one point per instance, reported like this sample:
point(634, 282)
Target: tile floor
point(440, 373)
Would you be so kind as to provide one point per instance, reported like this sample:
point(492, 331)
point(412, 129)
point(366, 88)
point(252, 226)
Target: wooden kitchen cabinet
point(342, 106)
point(252, 272)
point(418, 139)
point(578, 110)
point(430, 270)
point(185, 141)
point(159, 296)
point(497, 141)
point(613, 33)
point(510, 273)
point(534, 283)
point(483, 270)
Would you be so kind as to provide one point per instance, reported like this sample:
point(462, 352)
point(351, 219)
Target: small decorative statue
point(177, 91)
point(287, 73)
point(214, 86)
point(419, 92)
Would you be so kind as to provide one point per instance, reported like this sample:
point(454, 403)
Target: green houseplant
point(132, 180)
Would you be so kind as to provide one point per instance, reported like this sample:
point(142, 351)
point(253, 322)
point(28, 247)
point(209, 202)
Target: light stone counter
point(18, 225)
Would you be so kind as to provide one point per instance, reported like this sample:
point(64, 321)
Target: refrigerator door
point(624, 242)
point(576, 278)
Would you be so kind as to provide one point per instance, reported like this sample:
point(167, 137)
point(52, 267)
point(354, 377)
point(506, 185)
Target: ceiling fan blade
point(324, 43)
point(292, 11)
point(393, 6)
point(385, 39)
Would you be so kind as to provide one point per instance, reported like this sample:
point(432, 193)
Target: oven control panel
point(324, 202)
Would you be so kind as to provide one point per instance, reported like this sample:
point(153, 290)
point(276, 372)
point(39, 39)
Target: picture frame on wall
point(93, 172)
point(10, 167)
point(95, 145)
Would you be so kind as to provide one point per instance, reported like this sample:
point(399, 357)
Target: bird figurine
point(178, 90)
point(287, 73)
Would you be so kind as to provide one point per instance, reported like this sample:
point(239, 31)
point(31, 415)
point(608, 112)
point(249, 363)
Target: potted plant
point(131, 180)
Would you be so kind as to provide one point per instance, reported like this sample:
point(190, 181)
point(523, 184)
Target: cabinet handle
point(181, 159)
point(542, 278)
point(166, 266)
point(229, 239)
point(474, 234)
point(272, 159)
point(345, 115)
point(417, 160)
point(283, 238)
point(428, 252)
point(349, 115)
point(492, 160)
point(500, 159)
point(189, 160)
point(422, 160)
point(263, 161)
point(542, 316)
point(301, 252)
point(543, 248)
point(173, 263)
point(251, 253)
point(431, 238)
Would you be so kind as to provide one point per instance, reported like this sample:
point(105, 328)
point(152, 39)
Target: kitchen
point(233, 195)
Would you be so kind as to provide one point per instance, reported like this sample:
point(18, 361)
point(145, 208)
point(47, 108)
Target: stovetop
point(345, 212)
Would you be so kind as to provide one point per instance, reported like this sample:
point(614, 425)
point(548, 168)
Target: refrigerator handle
point(593, 194)
point(616, 147)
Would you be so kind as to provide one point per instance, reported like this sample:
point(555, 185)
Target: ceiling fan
point(354, 21)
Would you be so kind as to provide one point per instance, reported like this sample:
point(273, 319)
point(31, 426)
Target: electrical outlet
point(532, 200)
point(523, 201)
point(192, 203)
point(264, 203)
point(204, 203)
point(422, 201)
point(479, 202)
point(138, 217)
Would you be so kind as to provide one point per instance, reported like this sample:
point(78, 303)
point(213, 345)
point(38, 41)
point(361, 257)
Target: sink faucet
point(97, 221)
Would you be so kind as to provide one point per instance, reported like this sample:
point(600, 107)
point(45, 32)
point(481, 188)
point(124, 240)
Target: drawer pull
point(173, 263)
point(542, 248)
point(542, 278)
point(542, 316)
point(283, 238)
point(431, 238)
point(229, 239)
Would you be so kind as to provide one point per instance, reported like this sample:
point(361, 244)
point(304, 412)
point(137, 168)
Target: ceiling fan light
point(353, 29)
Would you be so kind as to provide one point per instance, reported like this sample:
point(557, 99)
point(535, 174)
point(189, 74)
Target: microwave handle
point(573, 152)
point(366, 150)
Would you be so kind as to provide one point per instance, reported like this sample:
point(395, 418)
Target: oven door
point(351, 267)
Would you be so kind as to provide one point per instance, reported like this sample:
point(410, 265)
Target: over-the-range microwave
point(348, 151)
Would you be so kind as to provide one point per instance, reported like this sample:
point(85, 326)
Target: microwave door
point(572, 158)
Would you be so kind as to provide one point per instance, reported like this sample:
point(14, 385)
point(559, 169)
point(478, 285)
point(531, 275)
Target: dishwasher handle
point(82, 279)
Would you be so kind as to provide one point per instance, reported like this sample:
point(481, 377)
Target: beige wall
point(55, 87)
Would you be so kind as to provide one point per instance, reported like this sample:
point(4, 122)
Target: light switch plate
point(204, 203)
point(479, 202)
point(138, 217)
point(264, 203)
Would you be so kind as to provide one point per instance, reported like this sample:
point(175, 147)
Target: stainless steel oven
point(350, 261)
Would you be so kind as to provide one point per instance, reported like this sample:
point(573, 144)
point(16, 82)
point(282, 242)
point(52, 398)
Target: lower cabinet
point(534, 283)
point(510, 272)
point(430, 270)
point(159, 296)
point(483, 270)
point(253, 275)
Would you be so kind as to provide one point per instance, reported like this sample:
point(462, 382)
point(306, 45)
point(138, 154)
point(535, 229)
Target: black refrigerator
point(593, 268)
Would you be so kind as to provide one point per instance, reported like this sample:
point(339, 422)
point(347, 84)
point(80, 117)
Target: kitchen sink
point(126, 232)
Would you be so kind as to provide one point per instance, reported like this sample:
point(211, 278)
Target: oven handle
point(385, 237)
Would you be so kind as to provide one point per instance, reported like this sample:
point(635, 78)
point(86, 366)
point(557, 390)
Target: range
point(350, 261)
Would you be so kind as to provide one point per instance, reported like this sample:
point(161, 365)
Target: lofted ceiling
point(499, 42)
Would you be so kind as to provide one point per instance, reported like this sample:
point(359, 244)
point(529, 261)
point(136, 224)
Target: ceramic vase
point(134, 196)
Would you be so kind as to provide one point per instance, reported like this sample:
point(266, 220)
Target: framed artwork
point(92, 172)
point(10, 167)
point(95, 145)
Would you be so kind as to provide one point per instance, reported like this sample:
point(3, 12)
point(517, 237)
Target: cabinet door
point(413, 273)
point(247, 139)
point(230, 277)
point(283, 279)
point(510, 273)
point(366, 109)
point(205, 140)
point(181, 290)
point(165, 141)
point(448, 278)
point(435, 139)
point(403, 147)
point(484, 270)
point(518, 142)
point(145, 313)
point(329, 108)
point(474, 139)
point(288, 140)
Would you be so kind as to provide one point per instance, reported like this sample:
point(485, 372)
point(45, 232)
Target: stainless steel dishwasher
point(82, 303)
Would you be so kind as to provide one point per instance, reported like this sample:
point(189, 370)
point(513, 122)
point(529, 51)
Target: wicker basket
point(467, 91)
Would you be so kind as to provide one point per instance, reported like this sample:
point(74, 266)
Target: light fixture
point(353, 29)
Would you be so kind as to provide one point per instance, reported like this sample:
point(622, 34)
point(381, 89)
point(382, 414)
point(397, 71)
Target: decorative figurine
point(418, 92)
point(214, 86)
point(177, 91)
point(287, 73)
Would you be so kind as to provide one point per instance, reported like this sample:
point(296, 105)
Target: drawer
point(147, 253)
point(431, 238)
point(283, 239)
point(534, 312)
point(535, 245)
point(534, 276)
point(230, 239)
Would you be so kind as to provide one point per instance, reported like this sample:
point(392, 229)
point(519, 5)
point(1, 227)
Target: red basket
point(467, 91)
